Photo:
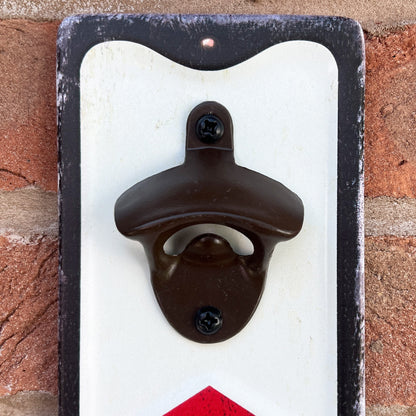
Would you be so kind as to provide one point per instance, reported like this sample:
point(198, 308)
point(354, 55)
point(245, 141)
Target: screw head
point(208, 320)
point(209, 128)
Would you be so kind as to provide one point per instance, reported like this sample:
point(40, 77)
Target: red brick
point(27, 104)
point(28, 316)
point(390, 321)
point(390, 154)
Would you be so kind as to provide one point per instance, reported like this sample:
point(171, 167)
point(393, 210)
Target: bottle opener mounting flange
point(208, 292)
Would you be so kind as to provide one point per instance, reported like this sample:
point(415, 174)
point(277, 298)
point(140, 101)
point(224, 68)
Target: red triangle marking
point(209, 402)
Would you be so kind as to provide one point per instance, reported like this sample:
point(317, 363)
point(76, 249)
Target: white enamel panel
point(134, 106)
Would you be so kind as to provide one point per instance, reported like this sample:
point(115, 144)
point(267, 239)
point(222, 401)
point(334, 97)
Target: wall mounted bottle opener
point(208, 292)
point(208, 212)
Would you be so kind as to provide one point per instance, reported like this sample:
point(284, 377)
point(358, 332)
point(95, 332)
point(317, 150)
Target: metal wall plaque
point(294, 87)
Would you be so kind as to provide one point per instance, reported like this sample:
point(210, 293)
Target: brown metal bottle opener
point(208, 293)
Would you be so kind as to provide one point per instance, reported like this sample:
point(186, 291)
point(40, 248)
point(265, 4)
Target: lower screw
point(208, 320)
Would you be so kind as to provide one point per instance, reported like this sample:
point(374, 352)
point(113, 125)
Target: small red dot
point(207, 43)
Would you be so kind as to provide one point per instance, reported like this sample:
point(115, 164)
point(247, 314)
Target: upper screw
point(209, 128)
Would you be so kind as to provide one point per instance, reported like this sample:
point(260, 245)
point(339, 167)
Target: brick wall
point(28, 215)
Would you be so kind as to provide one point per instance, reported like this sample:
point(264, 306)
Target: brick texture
point(30, 403)
point(28, 212)
point(374, 15)
point(27, 104)
point(388, 216)
point(28, 315)
point(395, 410)
point(390, 321)
point(28, 267)
point(390, 157)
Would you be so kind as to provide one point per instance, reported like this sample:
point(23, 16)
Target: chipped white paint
point(134, 105)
